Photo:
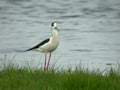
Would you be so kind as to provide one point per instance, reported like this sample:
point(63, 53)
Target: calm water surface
point(89, 32)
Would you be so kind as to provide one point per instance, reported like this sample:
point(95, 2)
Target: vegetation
point(12, 78)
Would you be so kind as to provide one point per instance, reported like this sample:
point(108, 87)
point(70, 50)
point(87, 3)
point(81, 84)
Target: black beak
point(57, 28)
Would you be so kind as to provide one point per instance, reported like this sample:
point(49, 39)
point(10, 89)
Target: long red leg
point(48, 61)
point(45, 63)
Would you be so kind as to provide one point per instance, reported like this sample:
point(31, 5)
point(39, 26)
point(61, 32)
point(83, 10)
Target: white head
point(54, 25)
point(54, 29)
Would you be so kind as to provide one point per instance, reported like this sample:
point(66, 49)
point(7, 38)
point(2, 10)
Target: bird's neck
point(55, 38)
point(55, 33)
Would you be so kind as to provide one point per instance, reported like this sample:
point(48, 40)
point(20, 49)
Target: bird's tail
point(30, 49)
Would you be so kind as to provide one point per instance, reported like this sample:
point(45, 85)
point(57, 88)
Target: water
point(89, 32)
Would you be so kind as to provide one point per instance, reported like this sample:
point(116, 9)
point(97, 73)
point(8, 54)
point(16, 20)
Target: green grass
point(12, 78)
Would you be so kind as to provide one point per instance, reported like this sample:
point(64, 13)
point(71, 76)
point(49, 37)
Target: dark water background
point(89, 32)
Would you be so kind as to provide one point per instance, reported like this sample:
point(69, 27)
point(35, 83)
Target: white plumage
point(48, 45)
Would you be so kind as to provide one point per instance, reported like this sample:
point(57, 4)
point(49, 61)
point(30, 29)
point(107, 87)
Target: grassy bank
point(25, 79)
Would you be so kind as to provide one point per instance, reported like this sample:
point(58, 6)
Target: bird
point(48, 45)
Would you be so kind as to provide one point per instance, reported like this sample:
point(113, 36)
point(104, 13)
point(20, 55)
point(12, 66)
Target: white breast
point(50, 46)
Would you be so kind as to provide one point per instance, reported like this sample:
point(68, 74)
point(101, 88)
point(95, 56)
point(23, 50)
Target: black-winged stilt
point(48, 45)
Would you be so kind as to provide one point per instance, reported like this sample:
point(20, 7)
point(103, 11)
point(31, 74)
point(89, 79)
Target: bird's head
point(54, 26)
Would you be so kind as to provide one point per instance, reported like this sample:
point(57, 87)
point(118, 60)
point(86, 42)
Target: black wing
point(40, 44)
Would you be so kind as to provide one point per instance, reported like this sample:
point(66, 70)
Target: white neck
point(55, 33)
